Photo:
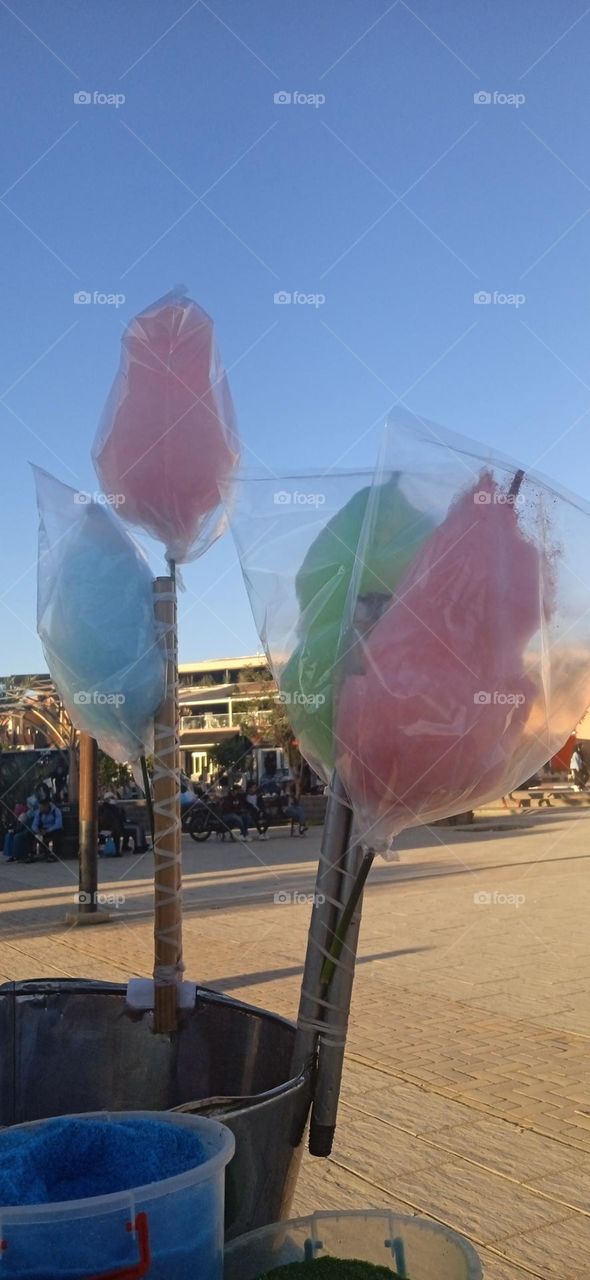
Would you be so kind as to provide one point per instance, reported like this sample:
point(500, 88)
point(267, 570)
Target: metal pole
point(73, 773)
point(327, 899)
point(332, 1040)
point(88, 911)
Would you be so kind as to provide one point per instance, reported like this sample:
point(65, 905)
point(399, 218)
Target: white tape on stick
point(141, 994)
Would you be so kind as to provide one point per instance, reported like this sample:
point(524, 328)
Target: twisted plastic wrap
point(429, 631)
point(95, 617)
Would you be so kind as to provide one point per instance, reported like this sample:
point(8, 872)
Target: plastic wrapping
point(167, 437)
point(95, 617)
point(443, 656)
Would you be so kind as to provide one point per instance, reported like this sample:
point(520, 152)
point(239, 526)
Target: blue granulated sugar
point(71, 1159)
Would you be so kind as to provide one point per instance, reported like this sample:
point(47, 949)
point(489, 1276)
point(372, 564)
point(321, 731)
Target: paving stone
point(477, 1203)
point(379, 1151)
point(496, 1268)
point(323, 1184)
point(571, 1186)
point(560, 1250)
point(501, 1148)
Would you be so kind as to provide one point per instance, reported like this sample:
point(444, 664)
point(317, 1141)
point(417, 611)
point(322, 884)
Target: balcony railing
point(207, 721)
point(259, 717)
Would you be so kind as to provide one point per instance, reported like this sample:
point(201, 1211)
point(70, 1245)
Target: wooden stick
point(166, 801)
point(88, 825)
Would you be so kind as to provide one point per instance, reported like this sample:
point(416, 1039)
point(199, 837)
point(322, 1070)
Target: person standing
point(578, 768)
point(259, 816)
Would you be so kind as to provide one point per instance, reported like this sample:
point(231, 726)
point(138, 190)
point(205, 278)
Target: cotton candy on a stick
point(434, 721)
point(95, 618)
point(168, 437)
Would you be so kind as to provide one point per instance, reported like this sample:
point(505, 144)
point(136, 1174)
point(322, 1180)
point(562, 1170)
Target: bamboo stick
point(88, 825)
point(168, 964)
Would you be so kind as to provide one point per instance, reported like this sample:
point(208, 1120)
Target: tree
point(110, 774)
point(232, 754)
point(255, 675)
point(275, 732)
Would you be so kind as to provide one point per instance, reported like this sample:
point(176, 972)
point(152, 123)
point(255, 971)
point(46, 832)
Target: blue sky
point(396, 200)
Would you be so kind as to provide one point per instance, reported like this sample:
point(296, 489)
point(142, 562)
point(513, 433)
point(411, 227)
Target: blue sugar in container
point(167, 1229)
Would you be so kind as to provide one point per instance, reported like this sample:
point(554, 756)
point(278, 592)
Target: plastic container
point(169, 1230)
point(415, 1248)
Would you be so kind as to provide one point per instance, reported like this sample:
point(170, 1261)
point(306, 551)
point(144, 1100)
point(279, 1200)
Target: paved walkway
point(467, 1084)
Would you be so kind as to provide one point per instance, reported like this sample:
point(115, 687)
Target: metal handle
point(224, 1103)
point(143, 1264)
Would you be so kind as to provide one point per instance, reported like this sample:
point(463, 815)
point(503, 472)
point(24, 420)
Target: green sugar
point(330, 1269)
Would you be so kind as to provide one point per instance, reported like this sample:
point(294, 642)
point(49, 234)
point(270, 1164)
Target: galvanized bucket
point(70, 1045)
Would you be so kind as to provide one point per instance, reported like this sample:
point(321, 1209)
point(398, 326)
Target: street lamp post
point(88, 909)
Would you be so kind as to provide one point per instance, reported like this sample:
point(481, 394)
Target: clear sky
point(396, 199)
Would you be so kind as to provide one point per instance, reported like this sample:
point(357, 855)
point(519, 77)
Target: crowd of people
point(246, 805)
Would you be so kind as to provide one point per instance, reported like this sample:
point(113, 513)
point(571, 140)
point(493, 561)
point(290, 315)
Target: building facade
point(216, 699)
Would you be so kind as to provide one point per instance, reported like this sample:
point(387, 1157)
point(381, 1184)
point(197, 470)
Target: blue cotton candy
point(95, 617)
point(71, 1159)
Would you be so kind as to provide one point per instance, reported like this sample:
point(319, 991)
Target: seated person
point(23, 840)
point(294, 810)
point(111, 817)
point(47, 825)
point(187, 796)
point(234, 811)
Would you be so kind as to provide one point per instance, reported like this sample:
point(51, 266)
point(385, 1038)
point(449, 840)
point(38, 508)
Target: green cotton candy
point(322, 585)
point(307, 686)
point(324, 578)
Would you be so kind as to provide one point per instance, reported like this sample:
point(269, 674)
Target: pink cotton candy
point(168, 435)
point(436, 720)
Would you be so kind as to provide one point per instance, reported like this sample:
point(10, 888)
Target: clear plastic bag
point(95, 618)
point(441, 655)
point(167, 437)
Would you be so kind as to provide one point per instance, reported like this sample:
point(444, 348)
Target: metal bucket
point(70, 1045)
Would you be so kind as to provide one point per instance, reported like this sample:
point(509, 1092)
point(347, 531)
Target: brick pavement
point(467, 1087)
